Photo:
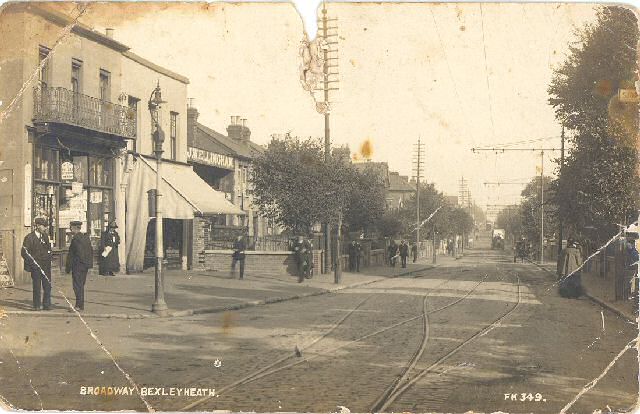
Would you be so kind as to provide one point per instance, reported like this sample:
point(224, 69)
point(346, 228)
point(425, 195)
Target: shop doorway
point(173, 243)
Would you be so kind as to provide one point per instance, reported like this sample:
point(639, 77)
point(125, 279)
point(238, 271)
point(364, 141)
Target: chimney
point(238, 130)
point(192, 123)
point(109, 32)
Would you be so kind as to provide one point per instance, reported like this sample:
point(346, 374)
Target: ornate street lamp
point(159, 306)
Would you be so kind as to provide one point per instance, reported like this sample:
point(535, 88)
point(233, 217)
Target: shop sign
point(209, 158)
point(76, 188)
point(66, 171)
point(96, 197)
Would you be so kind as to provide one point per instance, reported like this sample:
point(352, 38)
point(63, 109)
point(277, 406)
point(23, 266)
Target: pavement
point(189, 292)
point(599, 291)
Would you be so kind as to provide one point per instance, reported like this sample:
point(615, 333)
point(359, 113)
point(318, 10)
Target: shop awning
point(187, 187)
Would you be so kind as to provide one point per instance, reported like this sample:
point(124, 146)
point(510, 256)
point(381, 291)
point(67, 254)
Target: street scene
point(420, 208)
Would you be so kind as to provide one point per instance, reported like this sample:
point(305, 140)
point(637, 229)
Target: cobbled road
point(479, 333)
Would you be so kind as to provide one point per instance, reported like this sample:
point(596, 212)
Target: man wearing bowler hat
point(79, 261)
point(36, 252)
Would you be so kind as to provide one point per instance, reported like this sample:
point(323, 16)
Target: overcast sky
point(458, 75)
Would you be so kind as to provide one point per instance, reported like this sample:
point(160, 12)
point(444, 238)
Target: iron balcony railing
point(60, 105)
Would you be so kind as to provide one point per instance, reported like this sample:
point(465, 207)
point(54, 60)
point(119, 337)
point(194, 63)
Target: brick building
point(224, 162)
point(77, 138)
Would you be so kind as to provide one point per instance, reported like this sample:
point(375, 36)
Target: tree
point(296, 188)
point(510, 219)
point(285, 180)
point(530, 212)
point(366, 204)
point(389, 225)
point(597, 187)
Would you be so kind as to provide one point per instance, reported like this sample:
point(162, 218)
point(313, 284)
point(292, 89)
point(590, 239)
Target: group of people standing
point(37, 256)
point(402, 251)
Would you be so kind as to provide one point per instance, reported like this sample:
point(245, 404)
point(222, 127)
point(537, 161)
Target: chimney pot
point(109, 32)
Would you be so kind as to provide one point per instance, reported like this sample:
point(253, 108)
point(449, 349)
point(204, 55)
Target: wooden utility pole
point(329, 38)
point(560, 218)
point(418, 161)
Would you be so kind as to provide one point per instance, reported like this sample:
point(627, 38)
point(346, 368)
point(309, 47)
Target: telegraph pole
point(329, 38)
point(560, 218)
point(418, 161)
point(542, 207)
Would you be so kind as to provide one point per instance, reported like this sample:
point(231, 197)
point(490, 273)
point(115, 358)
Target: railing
point(67, 107)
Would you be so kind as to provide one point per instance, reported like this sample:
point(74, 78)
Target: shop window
point(45, 164)
point(72, 186)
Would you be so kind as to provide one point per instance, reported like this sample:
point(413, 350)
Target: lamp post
point(159, 306)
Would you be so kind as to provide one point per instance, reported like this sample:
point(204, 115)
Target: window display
point(71, 186)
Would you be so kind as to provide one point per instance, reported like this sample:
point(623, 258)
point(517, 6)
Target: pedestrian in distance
point(392, 253)
point(355, 251)
point(36, 252)
point(109, 261)
point(79, 261)
point(414, 251)
point(570, 285)
point(304, 258)
point(239, 247)
point(404, 253)
point(631, 258)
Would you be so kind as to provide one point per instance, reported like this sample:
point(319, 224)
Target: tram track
point(273, 368)
point(406, 381)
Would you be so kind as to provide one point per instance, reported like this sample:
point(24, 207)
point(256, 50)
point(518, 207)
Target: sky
point(457, 75)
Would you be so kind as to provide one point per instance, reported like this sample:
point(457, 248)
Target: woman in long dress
point(109, 261)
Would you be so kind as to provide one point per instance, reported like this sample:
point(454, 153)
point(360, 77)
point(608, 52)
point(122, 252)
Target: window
point(174, 135)
point(76, 73)
point(69, 186)
point(105, 85)
point(133, 104)
point(44, 70)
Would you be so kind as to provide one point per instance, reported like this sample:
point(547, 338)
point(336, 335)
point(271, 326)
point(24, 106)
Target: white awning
point(192, 189)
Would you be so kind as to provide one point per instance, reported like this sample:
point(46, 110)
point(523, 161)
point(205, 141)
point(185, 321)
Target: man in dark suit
point(36, 252)
point(239, 247)
point(79, 261)
point(404, 252)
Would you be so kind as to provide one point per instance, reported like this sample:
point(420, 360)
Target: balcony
point(60, 105)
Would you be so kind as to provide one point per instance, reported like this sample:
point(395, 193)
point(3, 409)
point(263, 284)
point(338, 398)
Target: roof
point(89, 33)
point(157, 68)
point(399, 183)
point(210, 140)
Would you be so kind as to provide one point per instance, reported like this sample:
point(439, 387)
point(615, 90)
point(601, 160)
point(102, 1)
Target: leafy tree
point(389, 225)
point(366, 204)
point(449, 220)
point(285, 180)
point(530, 212)
point(296, 188)
point(597, 187)
point(510, 219)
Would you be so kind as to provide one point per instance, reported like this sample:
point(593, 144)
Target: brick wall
point(257, 262)
point(200, 236)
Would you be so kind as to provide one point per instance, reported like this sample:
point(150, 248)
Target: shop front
point(73, 178)
point(185, 198)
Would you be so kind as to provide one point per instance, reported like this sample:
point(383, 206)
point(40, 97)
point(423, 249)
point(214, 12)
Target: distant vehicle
point(497, 239)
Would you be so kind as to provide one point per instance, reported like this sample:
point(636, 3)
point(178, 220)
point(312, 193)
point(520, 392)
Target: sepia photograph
point(328, 207)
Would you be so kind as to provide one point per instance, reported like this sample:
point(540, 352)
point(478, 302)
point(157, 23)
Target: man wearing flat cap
point(109, 263)
point(36, 252)
point(79, 261)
